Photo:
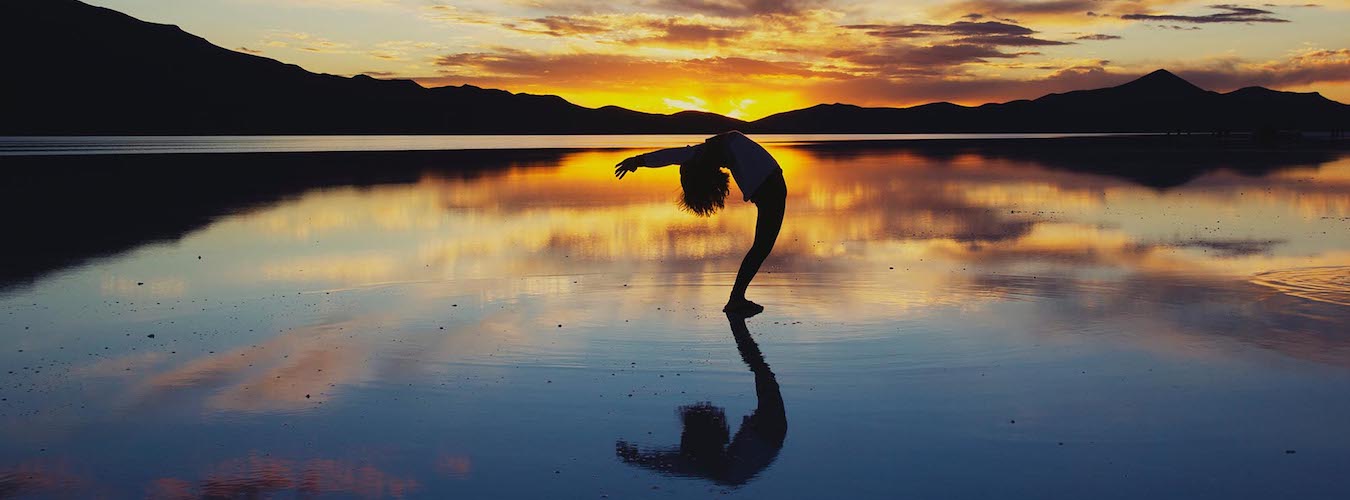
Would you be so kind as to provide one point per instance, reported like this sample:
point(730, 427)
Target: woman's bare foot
point(742, 307)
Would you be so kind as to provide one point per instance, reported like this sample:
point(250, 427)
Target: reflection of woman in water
point(705, 188)
point(706, 448)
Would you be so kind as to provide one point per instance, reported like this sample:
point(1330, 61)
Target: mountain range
point(79, 69)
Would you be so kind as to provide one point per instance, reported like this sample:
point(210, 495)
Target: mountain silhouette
point(80, 69)
point(1157, 102)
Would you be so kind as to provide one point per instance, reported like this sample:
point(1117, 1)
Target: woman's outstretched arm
point(654, 159)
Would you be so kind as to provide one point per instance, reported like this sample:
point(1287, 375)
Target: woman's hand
point(630, 164)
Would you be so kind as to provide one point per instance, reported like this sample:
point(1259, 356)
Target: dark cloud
point(910, 61)
point(1099, 37)
point(667, 31)
point(737, 8)
point(247, 50)
point(559, 26)
point(1023, 7)
point(510, 64)
point(1010, 41)
point(950, 55)
point(683, 32)
point(1226, 14)
point(985, 34)
point(959, 28)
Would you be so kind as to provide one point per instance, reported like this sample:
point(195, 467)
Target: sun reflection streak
point(573, 216)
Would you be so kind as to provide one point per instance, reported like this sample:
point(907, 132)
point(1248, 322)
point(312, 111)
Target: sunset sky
point(751, 58)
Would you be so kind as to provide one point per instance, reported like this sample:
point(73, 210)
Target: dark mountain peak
point(1161, 82)
point(1158, 101)
point(1161, 74)
point(1262, 91)
point(837, 105)
point(551, 98)
point(173, 82)
point(1288, 101)
point(940, 105)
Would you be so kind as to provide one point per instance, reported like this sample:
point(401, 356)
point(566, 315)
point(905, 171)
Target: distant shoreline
point(79, 146)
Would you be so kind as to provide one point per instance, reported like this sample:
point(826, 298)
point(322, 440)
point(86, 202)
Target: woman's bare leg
point(771, 204)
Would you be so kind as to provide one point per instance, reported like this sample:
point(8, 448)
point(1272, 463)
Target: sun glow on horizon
point(746, 104)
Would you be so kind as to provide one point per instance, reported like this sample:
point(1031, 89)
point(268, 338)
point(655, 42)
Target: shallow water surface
point(953, 322)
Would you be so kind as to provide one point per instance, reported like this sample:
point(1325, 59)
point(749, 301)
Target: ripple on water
point(1323, 284)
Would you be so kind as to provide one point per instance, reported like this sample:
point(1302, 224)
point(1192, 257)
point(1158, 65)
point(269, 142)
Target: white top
point(750, 165)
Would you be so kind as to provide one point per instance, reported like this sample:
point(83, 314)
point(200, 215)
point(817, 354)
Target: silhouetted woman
point(705, 189)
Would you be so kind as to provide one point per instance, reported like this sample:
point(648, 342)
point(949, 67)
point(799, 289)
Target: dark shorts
point(772, 192)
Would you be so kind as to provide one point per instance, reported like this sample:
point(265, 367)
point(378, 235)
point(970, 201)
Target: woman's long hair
point(705, 185)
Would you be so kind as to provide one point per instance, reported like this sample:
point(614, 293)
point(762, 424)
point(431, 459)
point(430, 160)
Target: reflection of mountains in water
point(1153, 161)
point(65, 210)
point(77, 208)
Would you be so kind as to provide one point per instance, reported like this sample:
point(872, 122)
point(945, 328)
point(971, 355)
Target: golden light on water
point(946, 213)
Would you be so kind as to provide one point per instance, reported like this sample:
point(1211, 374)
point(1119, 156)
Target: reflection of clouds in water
point(121, 365)
point(1180, 311)
point(931, 217)
point(1227, 247)
point(296, 369)
point(326, 212)
point(1067, 246)
point(38, 477)
point(341, 268)
point(151, 287)
point(524, 237)
point(1325, 284)
point(265, 476)
point(303, 367)
point(571, 216)
point(455, 466)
